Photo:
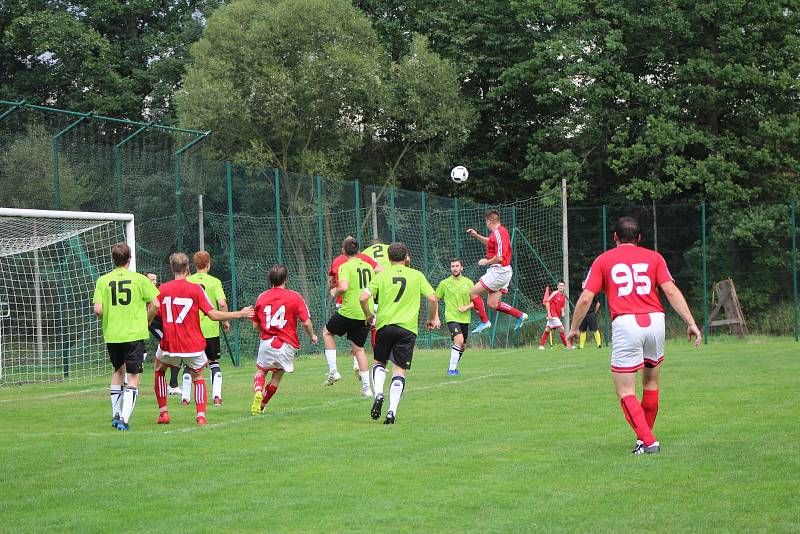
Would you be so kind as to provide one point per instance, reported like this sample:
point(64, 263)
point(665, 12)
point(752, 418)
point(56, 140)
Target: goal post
point(49, 263)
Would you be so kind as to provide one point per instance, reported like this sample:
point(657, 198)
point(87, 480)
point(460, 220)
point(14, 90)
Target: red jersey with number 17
point(629, 275)
point(499, 245)
point(277, 311)
point(181, 303)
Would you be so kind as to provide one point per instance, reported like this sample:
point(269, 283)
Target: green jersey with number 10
point(398, 290)
point(358, 274)
point(124, 295)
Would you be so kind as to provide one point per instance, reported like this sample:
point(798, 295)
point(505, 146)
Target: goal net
point(49, 262)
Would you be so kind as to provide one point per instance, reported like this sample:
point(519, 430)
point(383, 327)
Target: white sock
point(186, 389)
point(129, 402)
point(115, 391)
point(395, 392)
point(330, 355)
point(355, 363)
point(125, 380)
point(364, 379)
point(216, 381)
point(455, 355)
point(378, 378)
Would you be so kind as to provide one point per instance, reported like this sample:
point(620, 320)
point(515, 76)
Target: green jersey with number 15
point(380, 253)
point(358, 274)
point(124, 295)
point(398, 290)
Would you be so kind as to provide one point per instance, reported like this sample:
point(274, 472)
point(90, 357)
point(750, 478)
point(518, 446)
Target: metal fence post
point(456, 226)
point(793, 221)
point(320, 236)
point(392, 214)
point(516, 270)
point(279, 235)
point(605, 300)
point(705, 271)
point(232, 260)
point(357, 194)
point(178, 202)
point(425, 259)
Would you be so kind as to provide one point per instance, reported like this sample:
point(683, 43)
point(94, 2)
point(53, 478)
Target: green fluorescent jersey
point(455, 292)
point(213, 288)
point(124, 295)
point(359, 274)
point(398, 290)
point(380, 253)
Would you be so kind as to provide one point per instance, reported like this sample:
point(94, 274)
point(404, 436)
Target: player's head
point(561, 286)
point(492, 218)
point(277, 275)
point(179, 263)
point(398, 252)
point(121, 254)
point(456, 266)
point(376, 241)
point(627, 230)
point(349, 246)
point(201, 260)
point(153, 277)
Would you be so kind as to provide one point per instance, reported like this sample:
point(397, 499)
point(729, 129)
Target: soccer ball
point(459, 174)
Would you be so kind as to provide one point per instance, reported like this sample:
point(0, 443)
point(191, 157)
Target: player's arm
point(678, 303)
point(222, 304)
point(340, 289)
point(433, 312)
point(473, 233)
point(485, 261)
point(217, 315)
point(152, 309)
point(581, 307)
point(309, 328)
point(97, 308)
point(365, 300)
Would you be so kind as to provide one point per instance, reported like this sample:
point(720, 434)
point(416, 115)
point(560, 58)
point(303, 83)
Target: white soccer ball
point(459, 174)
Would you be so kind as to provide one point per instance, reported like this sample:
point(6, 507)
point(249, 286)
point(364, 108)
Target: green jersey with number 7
point(398, 290)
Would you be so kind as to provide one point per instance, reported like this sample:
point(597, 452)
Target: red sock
point(270, 392)
point(373, 334)
point(258, 382)
point(505, 308)
point(480, 308)
point(544, 338)
point(200, 398)
point(635, 417)
point(563, 338)
point(160, 389)
point(650, 406)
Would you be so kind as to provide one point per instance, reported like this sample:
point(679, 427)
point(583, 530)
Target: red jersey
point(277, 311)
point(499, 245)
point(556, 303)
point(630, 276)
point(341, 259)
point(181, 303)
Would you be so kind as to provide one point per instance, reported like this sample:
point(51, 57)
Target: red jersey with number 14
point(499, 245)
point(181, 303)
point(630, 276)
point(277, 311)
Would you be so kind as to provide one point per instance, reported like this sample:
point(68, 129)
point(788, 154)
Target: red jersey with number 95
point(181, 304)
point(629, 275)
point(277, 311)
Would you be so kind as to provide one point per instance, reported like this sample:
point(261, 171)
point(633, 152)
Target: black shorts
point(212, 348)
point(589, 323)
point(355, 329)
point(458, 328)
point(131, 354)
point(156, 328)
point(395, 343)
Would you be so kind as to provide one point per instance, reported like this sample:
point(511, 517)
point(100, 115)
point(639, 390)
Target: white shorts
point(497, 278)
point(637, 340)
point(195, 362)
point(270, 357)
point(554, 322)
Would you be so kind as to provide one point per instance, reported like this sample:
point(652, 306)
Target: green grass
point(524, 441)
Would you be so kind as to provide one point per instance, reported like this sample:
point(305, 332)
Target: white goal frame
point(130, 238)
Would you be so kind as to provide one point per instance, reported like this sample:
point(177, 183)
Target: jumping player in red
point(630, 275)
point(276, 315)
point(183, 342)
point(498, 273)
point(555, 305)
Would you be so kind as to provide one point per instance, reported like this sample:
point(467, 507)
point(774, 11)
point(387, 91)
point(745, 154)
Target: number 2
point(377, 251)
point(627, 277)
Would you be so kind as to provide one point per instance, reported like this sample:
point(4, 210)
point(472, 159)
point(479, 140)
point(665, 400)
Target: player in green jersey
point(126, 302)
point(353, 276)
point(210, 329)
point(455, 291)
point(379, 252)
point(398, 290)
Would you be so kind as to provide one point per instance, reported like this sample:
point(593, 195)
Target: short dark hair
point(397, 252)
point(179, 262)
point(627, 230)
point(493, 215)
point(457, 260)
point(350, 246)
point(278, 274)
point(120, 254)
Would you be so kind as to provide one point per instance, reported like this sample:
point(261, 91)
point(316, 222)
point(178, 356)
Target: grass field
point(523, 441)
